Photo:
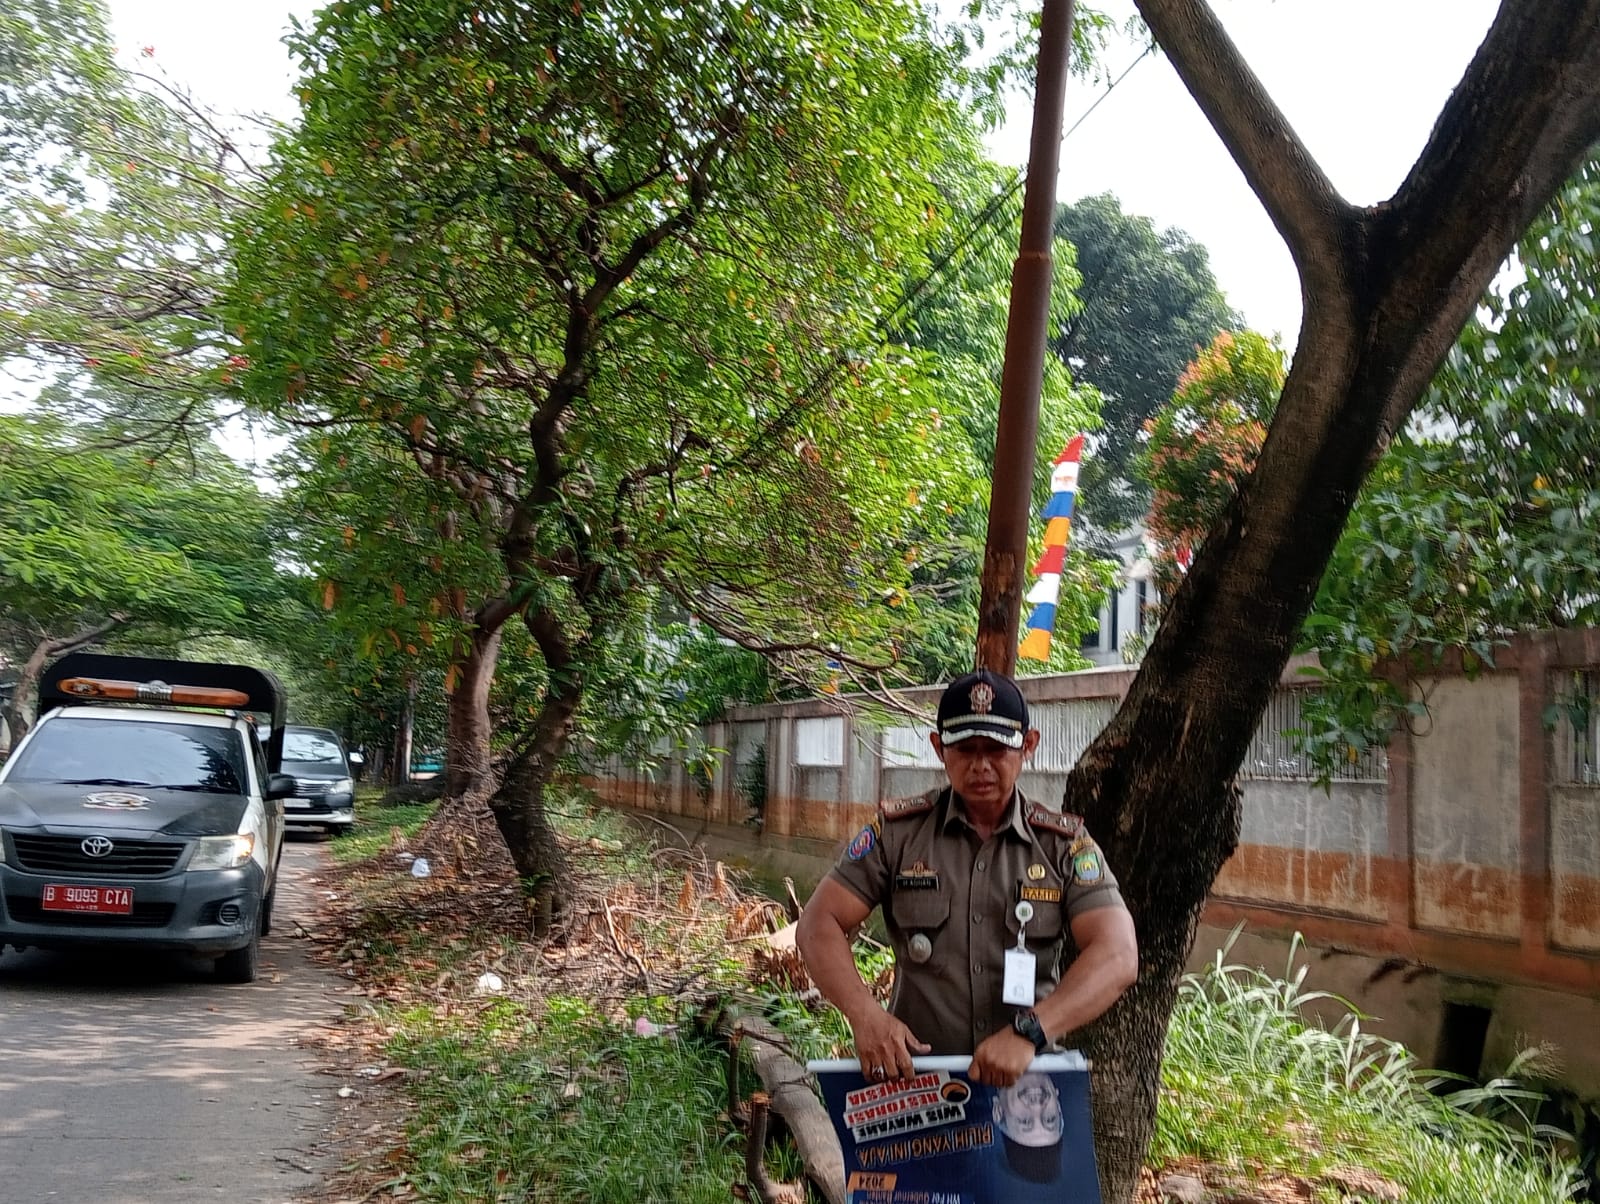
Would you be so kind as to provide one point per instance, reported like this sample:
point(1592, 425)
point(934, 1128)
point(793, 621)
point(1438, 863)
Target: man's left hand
point(1002, 1059)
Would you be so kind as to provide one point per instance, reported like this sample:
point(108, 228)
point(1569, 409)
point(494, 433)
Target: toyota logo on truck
point(97, 846)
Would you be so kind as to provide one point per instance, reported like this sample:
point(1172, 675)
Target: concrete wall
point(1466, 851)
point(1458, 868)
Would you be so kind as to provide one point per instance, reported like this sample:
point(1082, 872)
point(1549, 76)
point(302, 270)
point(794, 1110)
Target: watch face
point(1026, 1024)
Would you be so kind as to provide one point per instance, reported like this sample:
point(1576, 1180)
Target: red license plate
point(104, 900)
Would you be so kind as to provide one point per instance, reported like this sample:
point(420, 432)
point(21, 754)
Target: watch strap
point(1026, 1023)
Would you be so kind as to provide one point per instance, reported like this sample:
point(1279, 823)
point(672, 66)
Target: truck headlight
point(222, 852)
point(342, 786)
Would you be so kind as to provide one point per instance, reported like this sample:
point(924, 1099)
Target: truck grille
point(127, 859)
point(25, 909)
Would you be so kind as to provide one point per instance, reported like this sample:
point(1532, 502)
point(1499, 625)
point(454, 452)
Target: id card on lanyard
point(1021, 972)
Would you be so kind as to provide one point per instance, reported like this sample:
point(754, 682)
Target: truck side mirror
point(279, 785)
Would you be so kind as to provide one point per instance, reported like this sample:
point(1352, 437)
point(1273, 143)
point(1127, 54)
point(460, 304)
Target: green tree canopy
point(96, 539)
point(1480, 521)
point(619, 276)
point(1484, 519)
point(115, 194)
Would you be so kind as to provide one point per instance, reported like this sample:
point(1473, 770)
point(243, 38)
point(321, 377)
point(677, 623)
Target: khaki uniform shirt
point(923, 862)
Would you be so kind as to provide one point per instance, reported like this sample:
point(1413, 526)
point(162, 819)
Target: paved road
point(140, 1079)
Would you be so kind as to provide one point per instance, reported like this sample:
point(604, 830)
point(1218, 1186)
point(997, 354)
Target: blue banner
point(938, 1138)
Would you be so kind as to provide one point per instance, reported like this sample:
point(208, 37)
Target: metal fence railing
point(1578, 727)
point(1275, 755)
point(1067, 728)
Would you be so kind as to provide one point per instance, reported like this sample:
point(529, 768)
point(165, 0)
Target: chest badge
point(1035, 871)
point(919, 948)
point(920, 876)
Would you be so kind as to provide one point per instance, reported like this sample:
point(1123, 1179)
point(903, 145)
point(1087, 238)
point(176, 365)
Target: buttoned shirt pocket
point(919, 910)
point(1047, 922)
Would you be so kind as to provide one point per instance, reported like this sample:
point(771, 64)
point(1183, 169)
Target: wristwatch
point(1026, 1024)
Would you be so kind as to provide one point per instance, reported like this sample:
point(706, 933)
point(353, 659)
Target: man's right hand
point(884, 1045)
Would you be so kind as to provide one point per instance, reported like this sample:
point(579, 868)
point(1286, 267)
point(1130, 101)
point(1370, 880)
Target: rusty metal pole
point(1027, 329)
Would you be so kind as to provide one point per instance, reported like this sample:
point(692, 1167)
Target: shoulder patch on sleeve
point(1059, 822)
point(865, 841)
point(901, 808)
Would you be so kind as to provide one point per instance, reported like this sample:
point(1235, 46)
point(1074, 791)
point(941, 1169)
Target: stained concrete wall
point(1305, 847)
point(1575, 868)
point(1466, 855)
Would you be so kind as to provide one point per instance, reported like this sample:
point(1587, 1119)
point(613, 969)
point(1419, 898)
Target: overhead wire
point(913, 299)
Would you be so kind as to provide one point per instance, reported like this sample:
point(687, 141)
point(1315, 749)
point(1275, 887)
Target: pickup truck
point(143, 809)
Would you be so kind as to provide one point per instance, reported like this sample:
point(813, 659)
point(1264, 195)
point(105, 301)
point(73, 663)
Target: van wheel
point(239, 965)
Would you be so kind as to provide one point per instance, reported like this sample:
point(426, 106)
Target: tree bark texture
point(469, 772)
point(518, 806)
point(19, 713)
point(400, 756)
point(1387, 289)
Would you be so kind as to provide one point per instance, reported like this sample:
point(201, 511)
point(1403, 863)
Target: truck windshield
point(123, 753)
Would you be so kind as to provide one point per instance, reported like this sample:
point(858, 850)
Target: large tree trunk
point(19, 714)
point(519, 810)
point(469, 770)
point(1387, 289)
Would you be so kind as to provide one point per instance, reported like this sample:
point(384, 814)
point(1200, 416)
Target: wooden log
point(792, 1098)
point(757, 1179)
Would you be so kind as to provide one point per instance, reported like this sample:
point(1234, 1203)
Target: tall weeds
point(1250, 1082)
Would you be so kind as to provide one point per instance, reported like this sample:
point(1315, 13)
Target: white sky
point(1362, 81)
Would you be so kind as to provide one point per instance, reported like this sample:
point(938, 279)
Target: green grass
point(373, 825)
point(566, 1108)
point(1249, 1083)
point(560, 1101)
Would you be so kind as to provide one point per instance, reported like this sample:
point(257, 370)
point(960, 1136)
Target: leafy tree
point(622, 289)
point(1202, 445)
point(1482, 520)
point(1147, 302)
point(97, 540)
point(1473, 527)
point(116, 192)
point(1388, 287)
point(403, 566)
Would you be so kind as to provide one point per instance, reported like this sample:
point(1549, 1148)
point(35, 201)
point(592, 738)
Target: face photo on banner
point(939, 1136)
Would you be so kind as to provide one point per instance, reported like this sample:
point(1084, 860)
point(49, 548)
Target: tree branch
point(1298, 196)
point(1516, 126)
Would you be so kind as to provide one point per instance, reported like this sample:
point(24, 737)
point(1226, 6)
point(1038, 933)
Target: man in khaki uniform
point(959, 872)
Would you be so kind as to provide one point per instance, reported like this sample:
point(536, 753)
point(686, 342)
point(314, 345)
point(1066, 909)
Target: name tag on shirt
point(918, 877)
point(1039, 894)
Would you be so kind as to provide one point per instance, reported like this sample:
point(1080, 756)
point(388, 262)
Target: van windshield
point(308, 751)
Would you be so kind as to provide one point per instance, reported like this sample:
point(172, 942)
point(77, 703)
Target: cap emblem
point(981, 698)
